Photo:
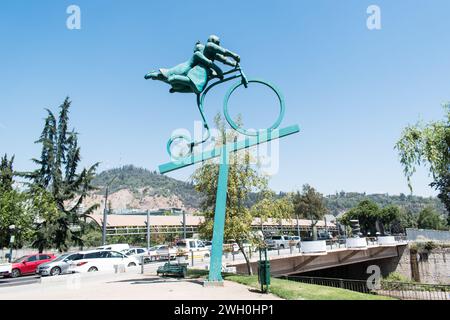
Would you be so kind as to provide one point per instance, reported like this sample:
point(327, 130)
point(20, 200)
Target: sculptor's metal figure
point(194, 74)
point(193, 77)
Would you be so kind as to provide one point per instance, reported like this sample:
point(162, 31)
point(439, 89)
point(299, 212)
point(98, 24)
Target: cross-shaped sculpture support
point(215, 270)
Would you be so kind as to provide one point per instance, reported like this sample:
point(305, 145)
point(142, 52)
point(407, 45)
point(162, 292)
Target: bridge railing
point(399, 290)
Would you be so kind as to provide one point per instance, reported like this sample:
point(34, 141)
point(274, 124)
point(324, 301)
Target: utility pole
point(298, 227)
point(148, 230)
point(11, 242)
point(105, 212)
point(184, 225)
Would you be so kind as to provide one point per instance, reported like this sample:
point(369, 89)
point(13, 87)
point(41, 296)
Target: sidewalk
point(129, 287)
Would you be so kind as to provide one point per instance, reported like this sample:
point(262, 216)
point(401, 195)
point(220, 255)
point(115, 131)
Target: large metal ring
point(246, 132)
point(189, 143)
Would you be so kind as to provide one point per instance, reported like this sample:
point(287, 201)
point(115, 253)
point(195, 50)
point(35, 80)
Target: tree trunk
point(247, 261)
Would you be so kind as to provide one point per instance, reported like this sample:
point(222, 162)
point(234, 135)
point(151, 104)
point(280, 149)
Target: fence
point(420, 234)
point(399, 290)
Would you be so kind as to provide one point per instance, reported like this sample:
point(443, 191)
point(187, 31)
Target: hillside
point(138, 188)
point(343, 201)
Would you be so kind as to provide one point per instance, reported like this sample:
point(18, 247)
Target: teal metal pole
point(215, 271)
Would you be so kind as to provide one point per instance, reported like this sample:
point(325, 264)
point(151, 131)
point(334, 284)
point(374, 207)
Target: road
point(131, 285)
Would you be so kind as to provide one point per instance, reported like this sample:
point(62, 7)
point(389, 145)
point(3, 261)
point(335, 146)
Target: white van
point(115, 247)
point(186, 246)
point(275, 242)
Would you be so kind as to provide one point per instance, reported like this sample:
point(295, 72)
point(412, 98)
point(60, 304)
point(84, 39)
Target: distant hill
point(142, 189)
point(343, 201)
point(142, 183)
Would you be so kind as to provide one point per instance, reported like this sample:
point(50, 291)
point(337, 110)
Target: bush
point(396, 277)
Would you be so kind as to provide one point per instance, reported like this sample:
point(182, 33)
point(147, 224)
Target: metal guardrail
point(399, 290)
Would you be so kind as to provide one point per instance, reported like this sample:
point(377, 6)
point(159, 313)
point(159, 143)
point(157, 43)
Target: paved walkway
point(128, 287)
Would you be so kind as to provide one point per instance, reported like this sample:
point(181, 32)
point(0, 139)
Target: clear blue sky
point(350, 89)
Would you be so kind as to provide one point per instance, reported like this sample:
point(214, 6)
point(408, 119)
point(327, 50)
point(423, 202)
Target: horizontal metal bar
point(263, 137)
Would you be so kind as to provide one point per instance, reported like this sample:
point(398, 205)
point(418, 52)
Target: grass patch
point(292, 290)
point(196, 273)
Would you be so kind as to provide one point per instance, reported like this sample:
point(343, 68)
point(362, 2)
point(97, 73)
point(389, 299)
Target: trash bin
point(264, 272)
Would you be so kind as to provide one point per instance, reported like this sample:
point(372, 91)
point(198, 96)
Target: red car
point(28, 264)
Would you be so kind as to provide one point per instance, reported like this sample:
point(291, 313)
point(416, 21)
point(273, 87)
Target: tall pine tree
point(56, 178)
point(6, 174)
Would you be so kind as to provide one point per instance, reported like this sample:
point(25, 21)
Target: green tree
point(430, 219)
point(243, 178)
point(429, 145)
point(374, 219)
point(13, 210)
point(270, 207)
point(48, 219)
point(6, 173)
point(366, 212)
point(309, 204)
point(57, 175)
point(407, 219)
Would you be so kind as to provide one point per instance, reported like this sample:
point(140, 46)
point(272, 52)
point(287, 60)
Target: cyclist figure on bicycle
point(192, 76)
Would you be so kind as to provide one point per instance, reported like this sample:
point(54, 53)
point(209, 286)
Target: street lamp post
point(11, 241)
point(105, 212)
point(184, 224)
point(298, 226)
point(148, 230)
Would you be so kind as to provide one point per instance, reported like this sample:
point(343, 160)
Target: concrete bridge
point(317, 255)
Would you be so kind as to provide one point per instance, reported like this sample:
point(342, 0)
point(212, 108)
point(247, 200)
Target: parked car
point(166, 252)
point(294, 241)
point(5, 269)
point(120, 247)
point(186, 246)
point(208, 245)
point(138, 253)
point(274, 242)
point(233, 247)
point(101, 260)
point(153, 252)
point(28, 264)
point(58, 266)
point(320, 236)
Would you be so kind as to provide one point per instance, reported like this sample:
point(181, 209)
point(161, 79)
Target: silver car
point(58, 266)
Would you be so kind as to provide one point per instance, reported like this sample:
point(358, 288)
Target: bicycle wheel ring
point(235, 126)
point(172, 140)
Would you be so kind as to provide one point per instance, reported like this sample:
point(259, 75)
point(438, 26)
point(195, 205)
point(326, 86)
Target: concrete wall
point(432, 267)
point(296, 263)
point(427, 267)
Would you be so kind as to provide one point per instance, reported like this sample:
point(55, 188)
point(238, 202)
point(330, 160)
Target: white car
point(102, 260)
point(278, 242)
point(193, 246)
point(5, 269)
point(153, 252)
point(138, 253)
point(165, 251)
point(120, 247)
